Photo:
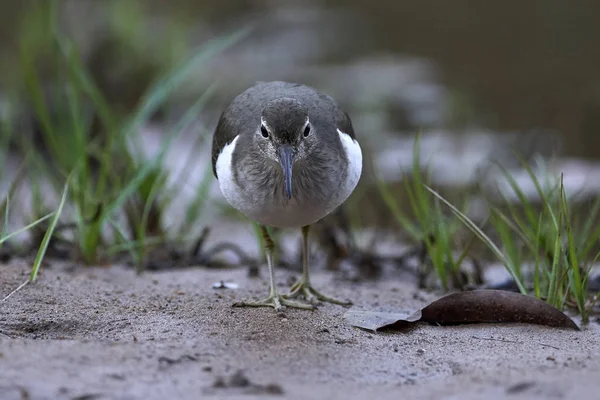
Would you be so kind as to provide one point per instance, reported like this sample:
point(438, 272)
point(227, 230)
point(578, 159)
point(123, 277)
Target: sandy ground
point(103, 333)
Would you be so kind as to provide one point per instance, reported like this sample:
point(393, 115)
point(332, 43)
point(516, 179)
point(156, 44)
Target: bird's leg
point(274, 299)
point(303, 287)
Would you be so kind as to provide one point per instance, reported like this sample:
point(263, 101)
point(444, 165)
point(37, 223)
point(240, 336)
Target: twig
point(21, 286)
point(496, 340)
point(513, 341)
point(200, 241)
point(242, 256)
point(549, 345)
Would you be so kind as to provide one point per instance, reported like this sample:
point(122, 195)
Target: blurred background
point(506, 66)
point(477, 79)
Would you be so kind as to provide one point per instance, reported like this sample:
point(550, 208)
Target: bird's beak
point(286, 158)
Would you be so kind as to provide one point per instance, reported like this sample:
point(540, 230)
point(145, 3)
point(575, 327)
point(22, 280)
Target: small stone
point(224, 285)
point(519, 387)
point(219, 383)
point(420, 352)
point(239, 380)
point(273, 388)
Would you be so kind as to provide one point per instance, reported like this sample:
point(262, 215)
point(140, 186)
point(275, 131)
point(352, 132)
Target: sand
point(105, 333)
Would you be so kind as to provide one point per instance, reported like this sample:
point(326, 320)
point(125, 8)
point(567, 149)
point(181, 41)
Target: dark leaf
point(478, 306)
point(494, 306)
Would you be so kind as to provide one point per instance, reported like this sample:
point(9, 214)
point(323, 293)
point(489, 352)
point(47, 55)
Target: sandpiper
point(285, 155)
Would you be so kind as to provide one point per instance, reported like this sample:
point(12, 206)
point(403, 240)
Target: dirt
point(105, 333)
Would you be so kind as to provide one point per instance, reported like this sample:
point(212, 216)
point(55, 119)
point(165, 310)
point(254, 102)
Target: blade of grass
point(197, 203)
point(577, 286)
point(543, 195)
point(483, 237)
point(6, 214)
point(503, 228)
point(157, 187)
point(27, 227)
point(554, 285)
point(392, 205)
point(523, 201)
point(164, 86)
point(590, 219)
point(123, 236)
point(131, 187)
point(43, 246)
point(537, 287)
point(39, 258)
point(463, 254)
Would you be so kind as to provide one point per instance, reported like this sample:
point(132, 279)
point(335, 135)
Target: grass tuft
point(430, 226)
point(545, 245)
point(548, 242)
point(39, 258)
point(118, 194)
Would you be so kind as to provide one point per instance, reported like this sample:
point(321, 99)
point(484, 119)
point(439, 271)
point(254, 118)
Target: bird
point(285, 155)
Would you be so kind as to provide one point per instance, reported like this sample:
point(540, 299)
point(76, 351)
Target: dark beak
point(286, 157)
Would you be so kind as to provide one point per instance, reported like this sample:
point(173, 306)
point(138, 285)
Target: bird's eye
point(264, 131)
point(307, 131)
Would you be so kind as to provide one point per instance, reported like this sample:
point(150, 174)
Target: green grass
point(43, 247)
point(559, 245)
point(547, 247)
point(430, 225)
point(117, 194)
point(557, 248)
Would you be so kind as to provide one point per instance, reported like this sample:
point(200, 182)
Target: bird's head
point(284, 135)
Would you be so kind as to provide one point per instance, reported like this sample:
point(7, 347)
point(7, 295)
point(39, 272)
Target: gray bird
point(285, 155)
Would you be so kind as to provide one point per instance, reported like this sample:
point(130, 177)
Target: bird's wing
point(224, 134)
point(329, 109)
point(238, 117)
point(344, 123)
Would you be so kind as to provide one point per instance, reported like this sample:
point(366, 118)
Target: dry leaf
point(494, 306)
point(374, 320)
point(478, 306)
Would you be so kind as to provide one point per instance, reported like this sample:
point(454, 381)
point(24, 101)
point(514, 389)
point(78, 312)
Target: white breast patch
point(354, 156)
point(229, 188)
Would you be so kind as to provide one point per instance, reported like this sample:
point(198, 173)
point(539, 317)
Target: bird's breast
point(255, 187)
point(260, 195)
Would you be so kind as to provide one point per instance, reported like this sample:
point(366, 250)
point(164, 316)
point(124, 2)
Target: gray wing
point(241, 116)
point(344, 123)
point(224, 134)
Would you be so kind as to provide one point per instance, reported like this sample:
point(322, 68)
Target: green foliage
point(430, 226)
point(39, 258)
point(546, 250)
point(117, 194)
point(549, 239)
point(559, 245)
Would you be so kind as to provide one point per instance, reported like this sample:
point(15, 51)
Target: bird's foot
point(306, 290)
point(276, 301)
